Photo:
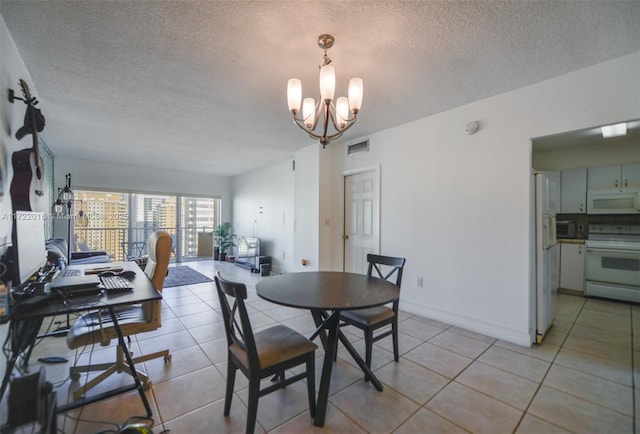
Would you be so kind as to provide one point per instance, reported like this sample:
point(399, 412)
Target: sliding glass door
point(120, 223)
point(198, 216)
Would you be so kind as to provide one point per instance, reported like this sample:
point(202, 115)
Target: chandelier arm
point(352, 119)
point(333, 121)
point(347, 126)
point(317, 114)
point(326, 115)
point(300, 123)
point(336, 135)
point(314, 136)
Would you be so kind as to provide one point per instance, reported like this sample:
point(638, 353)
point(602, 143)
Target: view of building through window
point(120, 223)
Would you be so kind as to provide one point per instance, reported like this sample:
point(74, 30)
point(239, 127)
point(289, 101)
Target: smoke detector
point(471, 127)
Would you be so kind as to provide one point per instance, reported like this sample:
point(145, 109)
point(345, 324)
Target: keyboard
point(67, 272)
point(114, 283)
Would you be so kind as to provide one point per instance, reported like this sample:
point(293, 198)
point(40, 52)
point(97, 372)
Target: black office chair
point(264, 354)
point(370, 320)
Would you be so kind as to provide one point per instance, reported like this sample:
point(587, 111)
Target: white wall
point(458, 206)
point(271, 188)
point(297, 210)
point(307, 208)
point(326, 212)
point(12, 69)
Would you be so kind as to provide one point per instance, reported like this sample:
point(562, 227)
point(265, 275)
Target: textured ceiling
point(201, 85)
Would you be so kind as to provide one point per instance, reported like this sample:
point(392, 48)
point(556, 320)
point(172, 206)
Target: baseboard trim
point(493, 330)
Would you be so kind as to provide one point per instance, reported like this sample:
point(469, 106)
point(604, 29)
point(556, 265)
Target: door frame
point(357, 171)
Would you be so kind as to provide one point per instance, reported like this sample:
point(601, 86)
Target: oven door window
point(613, 266)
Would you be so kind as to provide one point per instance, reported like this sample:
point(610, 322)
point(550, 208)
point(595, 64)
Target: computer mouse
point(107, 273)
point(128, 274)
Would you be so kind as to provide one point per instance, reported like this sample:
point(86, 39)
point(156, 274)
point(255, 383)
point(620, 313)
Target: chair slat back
point(236, 320)
point(380, 264)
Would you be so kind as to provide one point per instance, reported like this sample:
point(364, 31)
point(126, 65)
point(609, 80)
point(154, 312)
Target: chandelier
point(342, 114)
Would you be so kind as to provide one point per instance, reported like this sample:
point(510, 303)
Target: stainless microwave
point(613, 202)
point(565, 229)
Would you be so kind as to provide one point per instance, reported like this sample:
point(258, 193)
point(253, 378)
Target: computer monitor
point(248, 247)
point(28, 244)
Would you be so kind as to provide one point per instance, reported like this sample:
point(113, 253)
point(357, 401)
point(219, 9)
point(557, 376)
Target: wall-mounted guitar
point(27, 185)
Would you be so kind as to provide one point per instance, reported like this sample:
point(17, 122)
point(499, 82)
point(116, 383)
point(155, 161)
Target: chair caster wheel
point(167, 359)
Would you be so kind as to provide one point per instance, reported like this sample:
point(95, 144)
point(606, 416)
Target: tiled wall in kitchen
point(583, 221)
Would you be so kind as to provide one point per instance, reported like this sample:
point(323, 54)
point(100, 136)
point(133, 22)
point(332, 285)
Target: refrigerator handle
point(550, 236)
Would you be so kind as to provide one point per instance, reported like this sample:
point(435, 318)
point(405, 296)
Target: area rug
point(184, 275)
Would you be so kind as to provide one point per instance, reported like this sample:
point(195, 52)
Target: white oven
point(612, 262)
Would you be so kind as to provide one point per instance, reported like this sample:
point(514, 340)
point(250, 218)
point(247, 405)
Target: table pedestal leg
point(330, 348)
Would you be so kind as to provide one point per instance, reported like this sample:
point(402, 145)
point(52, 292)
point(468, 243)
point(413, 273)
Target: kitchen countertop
point(571, 241)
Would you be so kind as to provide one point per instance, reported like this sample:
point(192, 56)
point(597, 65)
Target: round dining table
point(326, 294)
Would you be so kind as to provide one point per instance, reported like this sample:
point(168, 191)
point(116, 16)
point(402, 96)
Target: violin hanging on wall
point(27, 185)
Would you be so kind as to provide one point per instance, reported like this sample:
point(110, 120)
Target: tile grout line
point(450, 380)
point(526, 411)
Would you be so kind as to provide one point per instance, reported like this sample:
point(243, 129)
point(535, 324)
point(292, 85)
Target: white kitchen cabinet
point(574, 191)
point(631, 176)
point(572, 267)
point(615, 177)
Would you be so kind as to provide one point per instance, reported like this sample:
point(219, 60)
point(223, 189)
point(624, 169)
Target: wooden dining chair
point(372, 319)
point(267, 353)
point(97, 326)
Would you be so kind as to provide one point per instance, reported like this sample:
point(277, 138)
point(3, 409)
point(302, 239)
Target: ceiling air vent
point(358, 147)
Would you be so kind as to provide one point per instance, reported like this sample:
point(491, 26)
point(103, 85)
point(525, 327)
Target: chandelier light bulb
point(342, 111)
point(327, 82)
point(309, 112)
point(355, 94)
point(294, 94)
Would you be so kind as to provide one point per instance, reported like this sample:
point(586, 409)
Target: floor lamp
point(62, 203)
point(65, 201)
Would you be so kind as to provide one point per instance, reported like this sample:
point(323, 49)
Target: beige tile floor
point(449, 380)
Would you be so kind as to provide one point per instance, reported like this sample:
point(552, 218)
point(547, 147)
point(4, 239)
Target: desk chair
point(263, 354)
point(97, 326)
point(369, 320)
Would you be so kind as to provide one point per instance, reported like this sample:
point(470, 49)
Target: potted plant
point(224, 241)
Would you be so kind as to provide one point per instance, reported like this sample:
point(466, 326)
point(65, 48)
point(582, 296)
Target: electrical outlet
point(420, 282)
point(283, 255)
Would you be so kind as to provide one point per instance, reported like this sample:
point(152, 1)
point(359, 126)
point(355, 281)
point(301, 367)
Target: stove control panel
point(614, 229)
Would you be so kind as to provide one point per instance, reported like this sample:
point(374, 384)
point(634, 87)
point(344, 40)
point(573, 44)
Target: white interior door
point(361, 219)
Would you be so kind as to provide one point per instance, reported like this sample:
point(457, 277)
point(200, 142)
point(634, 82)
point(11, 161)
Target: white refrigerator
point(547, 204)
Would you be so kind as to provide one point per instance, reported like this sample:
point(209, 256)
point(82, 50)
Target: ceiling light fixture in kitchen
point(614, 130)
